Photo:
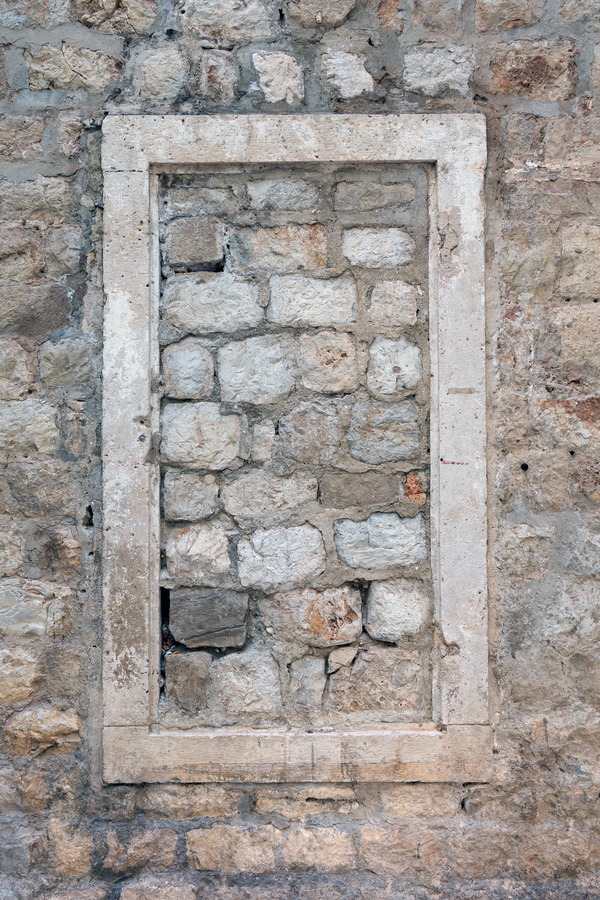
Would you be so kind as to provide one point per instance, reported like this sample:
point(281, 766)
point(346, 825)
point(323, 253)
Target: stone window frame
point(457, 745)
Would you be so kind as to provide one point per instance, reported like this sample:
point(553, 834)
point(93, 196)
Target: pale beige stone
point(32, 607)
point(151, 889)
point(382, 683)
point(326, 849)
point(197, 551)
point(187, 677)
point(346, 73)
point(188, 496)
point(139, 849)
point(186, 801)
point(160, 74)
point(15, 370)
point(71, 847)
point(234, 848)
point(43, 728)
point(28, 426)
point(393, 303)
point(329, 362)
point(245, 684)
point(280, 77)
point(258, 370)
point(117, 16)
point(396, 609)
point(377, 248)
point(393, 365)
point(218, 78)
point(284, 248)
point(342, 656)
point(280, 557)
point(188, 370)
point(19, 669)
point(311, 13)
point(434, 70)
point(198, 436)
point(70, 68)
point(257, 495)
point(578, 271)
point(282, 193)
point(297, 300)
point(194, 241)
point(384, 539)
point(247, 20)
point(539, 70)
point(316, 618)
point(205, 303)
point(494, 15)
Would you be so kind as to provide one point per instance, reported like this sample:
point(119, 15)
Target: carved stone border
point(457, 745)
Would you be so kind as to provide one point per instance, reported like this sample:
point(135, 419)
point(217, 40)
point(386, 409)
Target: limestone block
point(578, 274)
point(186, 801)
point(393, 303)
point(310, 13)
point(20, 138)
point(234, 848)
point(384, 432)
point(15, 370)
point(356, 196)
point(11, 546)
point(28, 426)
point(316, 618)
point(19, 669)
point(329, 362)
point(229, 23)
point(194, 241)
point(435, 70)
point(346, 74)
point(323, 849)
point(158, 890)
point(206, 303)
point(205, 617)
point(69, 365)
point(258, 494)
point(71, 848)
point(262, 441)
point(34, 310)
point(258, 370)
point(70, 69)
point(343, 656)
point(538, 70)
point(280, 77)
point(131, 17)
point(197, 551)
point(160, 73)
point(34, 14)
point(198, 436)
point(578, 10)
point(384, 539)
point(384, 680)
point(245, 683)
point(280, 557)
point(42, 728)
point(217, 77)
point(296, 300)
point(31, 607)
point(312, 432)
point(497, 15)
point(393, 365)
point(377, 248)
point(307, 682)
point(282, 193)
point(396, 609)
point(189, 497)
point(188, 370)
point(344, 490)
point(438, 15)
point(285, 248)
point(187, 679)
point(130, 852)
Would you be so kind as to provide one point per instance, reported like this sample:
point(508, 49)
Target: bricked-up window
point(294, 449)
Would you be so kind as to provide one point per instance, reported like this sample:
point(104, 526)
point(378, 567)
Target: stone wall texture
point(533, 68)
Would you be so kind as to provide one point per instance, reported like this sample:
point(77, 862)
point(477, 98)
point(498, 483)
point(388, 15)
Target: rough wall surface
point(530, 66)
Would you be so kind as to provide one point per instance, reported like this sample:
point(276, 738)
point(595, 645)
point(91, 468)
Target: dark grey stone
point(208, 617)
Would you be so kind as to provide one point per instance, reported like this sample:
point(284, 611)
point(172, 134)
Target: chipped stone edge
point(135, 148)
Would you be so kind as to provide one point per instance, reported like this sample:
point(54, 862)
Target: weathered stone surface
point(280, 77)
point(20, 138)
point(359, 195)
point(329, 362)
point(11, 547)
point(317, 618)
point(346, 74)
point(198, 436)
point(197, 551)
point(257, 494)
point(296, 300)
point(43, 728)
point(160, 73)
point(217, 76)
point(15, 370)
point(246, 21)
point(205, 617)
point(384, 539)
point(391, 15)
point(31, 607)
point(35, 14)
point(69, 365)
point(377, 248)
point(206, 303)
point(307, 683)
point(384, 680)
point(539, 70)
point(188, 370)
point(312, 432)
point(369, 488)
point(435, 70)
point(414, 489)
point(438, 15)
point(311, 13)
point(187, 678)
point(233, 848)
point(28, 426)
point(578, 271)
point(393, 303)
point(134, 851)
point(285, 248)
point(245, 684)
point(70, 69)
point(194, 241)
point(132, 17)
point(33, 310)
point(77, 894)
point(189, 497)
point(71, 849)
point(396, 609)
point(282, 193)
point(258, 370)
point(156, 890)
point(578, 10)
point(323, 849)
point(393, 365)
point(383, 432)
point(280, 557)
point(495, 15)
point(186, 801)
point(262, 441)
point(343, 656)
point(19, 669)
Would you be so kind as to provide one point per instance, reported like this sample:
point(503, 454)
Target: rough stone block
point(580, 10)
point(311, 13)
point(382, 680)
point(20, 138)
point(131, 17)
point(188, 370)
point(316, 618)
point(384, 539)
point(329, 362)
point(496, 15)
point(32, 310)
point(346, 74)
point(198, 436)
point(132, 851)
point(15, 370)
point(282, 193)
point(258, 370)
point(42, 728)
point(28, 426)
point(396, 609)
point(285, 248)
point(435, 70)
point(377, 248)
point(32, 607)
point(160, 73)
point(280, 557)
point(70, 68)
point(187, 678)
point(343, 656)
point(538, 70)
point(257, 494)
point(155, 890)
point(194, 241)
point(209, 303)
point(245, 684)
point(312, 432)
point(205, 617)
point(356, 196)
point(234, 848)
point(384, 432)
point(35, 14)
point(247, 21)
point(186, 801)
point(578, 275)
point(296, 300)
point(262, 441)
point(393, 303)
point(71, 848)
point(327, 849)
point(217, 76)
point(189, 497)
point(197, 551)
point(19, 670)
point(280, 77)
point(438, 15)
point(307, 683)
point(69, 365)
point(393, 365)
point(369, 488)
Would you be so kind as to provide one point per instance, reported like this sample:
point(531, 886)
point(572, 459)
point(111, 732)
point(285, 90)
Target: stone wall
point(530, 66)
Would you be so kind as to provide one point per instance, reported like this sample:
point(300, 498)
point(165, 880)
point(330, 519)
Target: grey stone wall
point(530, 66)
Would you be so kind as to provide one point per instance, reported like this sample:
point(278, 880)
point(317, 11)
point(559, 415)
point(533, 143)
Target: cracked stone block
point(245, 684)
point(538, 70)
point(384, 432)
point(368, 488)
point(307, 682)
point(342, 656)
point(280, 557)
point(188, 370)
point(396, 609)
point(70, 69)
point(187, 677)
point(312, 432)
point(311, 13)
point(393, 365)
point(383, 680)
point(357, 195)
point(280, 77)
point(377, 248)
point(316, 618)
point(434, 70)
point(194, 241)
point(329, 362)
point(384, 539)
point(258, 370)
point(197, 551)
point(346, 73)
point(217, 76)
point(284, 248)
point(282, 193)
point(393, 303)
point(201, 303)
point(198, 436)
point(188, 497)
point(257, 494)
point(207, 617)
point(296, 300)
point(32, 607)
